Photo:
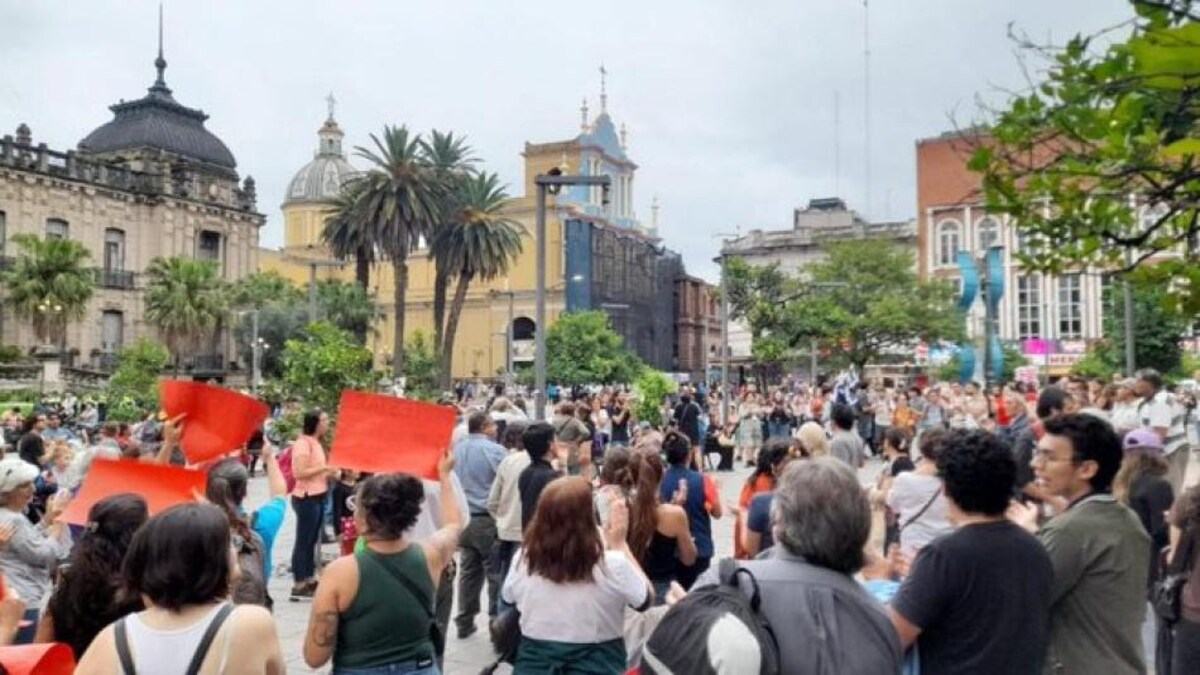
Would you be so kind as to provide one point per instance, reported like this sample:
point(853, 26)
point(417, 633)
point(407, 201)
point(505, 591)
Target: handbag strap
point(1182, 564)
point(936, 493)
point(123, 653)
point(206, 641)
point(413, 590)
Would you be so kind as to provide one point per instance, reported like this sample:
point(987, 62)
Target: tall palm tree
point(452, 160)
point(186, 300)
point(400, 199)
point(348, 234)
point(479, 242)
point(49, 285)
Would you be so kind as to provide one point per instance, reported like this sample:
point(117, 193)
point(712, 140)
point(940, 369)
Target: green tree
point(349, 234)
point(135, 378)
point(261, 289)
point(453, 162)
point(186, 301)
point(477, 241)
point(1013, 359)
point(651, 388)
point(1157, 327)
point(347, 306)
point(278, 322)
point(320, 365)
point(400, 197)
point(1108, 122)
point(421, 369)
point(49, 285)
point(582, 348)
point(864, 299)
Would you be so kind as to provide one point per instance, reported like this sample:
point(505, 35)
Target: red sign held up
point(385, 434)
point(218, 420)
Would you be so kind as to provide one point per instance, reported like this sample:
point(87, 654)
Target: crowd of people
point(1018, 530)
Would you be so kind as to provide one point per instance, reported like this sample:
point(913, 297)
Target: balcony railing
point(119, 279)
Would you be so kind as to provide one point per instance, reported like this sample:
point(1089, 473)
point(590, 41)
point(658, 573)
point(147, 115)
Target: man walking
point(1161, 412)
point(476, 460)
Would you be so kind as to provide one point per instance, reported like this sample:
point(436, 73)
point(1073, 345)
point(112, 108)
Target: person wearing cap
point(34, 550)
point(1124, 414)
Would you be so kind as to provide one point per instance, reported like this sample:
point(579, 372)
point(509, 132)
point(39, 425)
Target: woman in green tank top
point(373, 612)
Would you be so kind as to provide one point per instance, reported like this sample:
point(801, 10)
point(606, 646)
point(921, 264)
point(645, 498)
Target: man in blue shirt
point(476, 460)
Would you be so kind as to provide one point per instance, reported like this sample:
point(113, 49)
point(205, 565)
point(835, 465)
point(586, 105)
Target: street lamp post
point(313, 264)
point(724, 328)
point(552, 182)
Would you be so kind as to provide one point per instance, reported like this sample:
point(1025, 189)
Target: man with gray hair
point(1161, 413)
point(824, 620)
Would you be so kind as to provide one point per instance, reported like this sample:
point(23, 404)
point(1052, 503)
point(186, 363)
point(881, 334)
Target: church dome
point(322, 178)
point(158, 121)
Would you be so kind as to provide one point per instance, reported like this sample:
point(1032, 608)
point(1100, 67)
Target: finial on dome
point(624, 136)
point(603, 90)
point(160, 64)
point(583, 116)
point(654, 213)
point(332, 103)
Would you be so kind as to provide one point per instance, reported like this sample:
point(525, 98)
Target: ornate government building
point(151, 182)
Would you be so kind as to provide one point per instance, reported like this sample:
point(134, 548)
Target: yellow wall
point(479, 349)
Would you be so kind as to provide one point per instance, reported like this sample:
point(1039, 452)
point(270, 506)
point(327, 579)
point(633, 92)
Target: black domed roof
point(158, 121)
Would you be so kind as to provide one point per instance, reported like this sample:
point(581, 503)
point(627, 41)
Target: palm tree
point(479, 242)
point(49, 285)
point(347, 306)
point(400, 199)
point(348, 234)
point(186, 300)
point(452, 161)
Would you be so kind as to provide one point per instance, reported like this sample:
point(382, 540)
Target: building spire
point(624, 137)
point(583, 116)
point(160, 63)
point(654, 214)
point(603, 90)
point(331, 102)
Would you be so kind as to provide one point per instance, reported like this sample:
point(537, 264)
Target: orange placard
point(385, 434)
point(162, 486)
point(218, 420)
point(39, 659)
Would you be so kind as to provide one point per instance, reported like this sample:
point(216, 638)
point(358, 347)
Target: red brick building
point(697, 327)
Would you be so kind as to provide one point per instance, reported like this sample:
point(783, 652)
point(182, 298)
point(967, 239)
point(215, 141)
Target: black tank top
point(659, 561)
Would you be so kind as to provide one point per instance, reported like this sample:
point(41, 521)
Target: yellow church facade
point(493, 310)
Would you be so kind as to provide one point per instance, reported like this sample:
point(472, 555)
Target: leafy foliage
point(185, 299)
point(349, 234)
point(320, 365)
point(421, 368)
point(278, 322)
point(135, 378)
point(346, 305)
point(49, 285)
point(263, 288)
point(1108, 123)
point(651, 388)
point(1157, 327)
point(582, 348)
point(865, 298)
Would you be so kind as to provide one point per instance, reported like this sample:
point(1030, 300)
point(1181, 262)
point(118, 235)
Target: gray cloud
point(729, 105)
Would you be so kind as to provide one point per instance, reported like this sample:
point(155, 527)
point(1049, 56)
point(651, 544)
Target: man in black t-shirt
point(977, 600)
point(539, 443)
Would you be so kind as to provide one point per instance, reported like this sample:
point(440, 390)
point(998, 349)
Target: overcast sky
point(729, 105)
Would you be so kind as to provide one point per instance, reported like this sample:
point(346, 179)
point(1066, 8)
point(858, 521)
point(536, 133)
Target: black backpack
point(680, 642)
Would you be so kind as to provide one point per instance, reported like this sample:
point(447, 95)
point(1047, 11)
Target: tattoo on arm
point(324, 629)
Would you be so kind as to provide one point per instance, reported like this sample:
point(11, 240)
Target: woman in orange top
point(308, 501)
point(770, 463)
point(903, 416)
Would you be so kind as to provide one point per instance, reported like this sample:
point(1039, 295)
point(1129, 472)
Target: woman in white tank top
point(188, 627)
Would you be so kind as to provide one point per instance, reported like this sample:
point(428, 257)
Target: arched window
point(57, 228)
point(987, 233)
point(949, 242)
point(523, 328)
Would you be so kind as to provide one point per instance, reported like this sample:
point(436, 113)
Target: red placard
point(162, 486)
point(385, 434)
point(218, 420)
point(39, 659)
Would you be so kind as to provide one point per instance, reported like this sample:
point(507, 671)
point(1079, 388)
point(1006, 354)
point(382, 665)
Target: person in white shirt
point(1161, 412)
point(572, 582)
point(1124, 415)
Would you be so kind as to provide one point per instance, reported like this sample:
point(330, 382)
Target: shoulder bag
point(1165, 593)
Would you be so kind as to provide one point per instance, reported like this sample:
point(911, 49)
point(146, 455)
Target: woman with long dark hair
point(88, 596)
point(1185, 559)
point(571, 570)
point(374, 611)
point(181, 565)
point(771, 461)
point(659, 537)
point(308, 501)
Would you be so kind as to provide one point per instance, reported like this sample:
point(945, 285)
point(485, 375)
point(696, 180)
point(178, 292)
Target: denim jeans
point(502, 555)
point(309, 511)
point(426, 667)
point(26, 634)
